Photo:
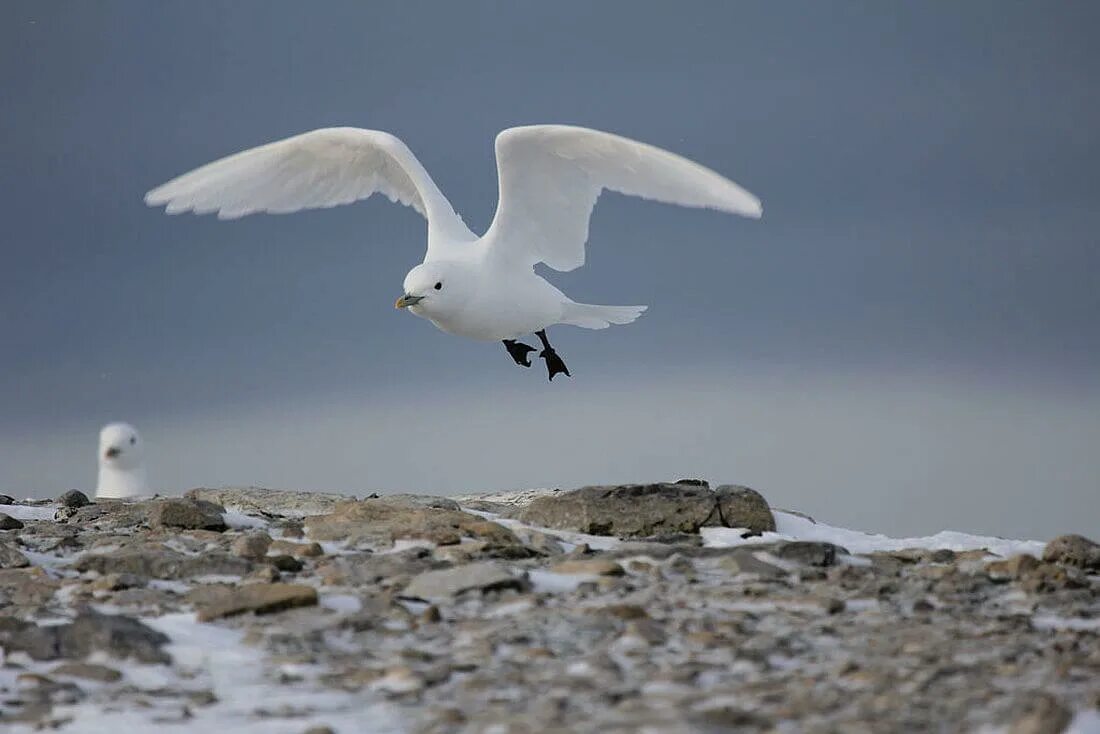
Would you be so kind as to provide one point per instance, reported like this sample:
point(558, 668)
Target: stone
point(27, 587)
point(285, 563)
point(298, 550)
point(1041, 713)
point(262, 574)
point(115, 635)
point(1012, 568)
point(87, 671)
point(366, 569)
point(74, 499)
point(118, 582)
point(414, 501)
point(445, 584)
point(188, 514)
point(319, 729)
point(6, 499)
point(742, 507)
point(258, 598)
point(10, 557)
point(809, 552)
point(540, 542)
point(380, 522)
point(589, 566)
point(743, 560)
point(157, 562)
point(253, 545)
point(647, 510)
point(270, 501)
point(1073, 550)
point(7, 522)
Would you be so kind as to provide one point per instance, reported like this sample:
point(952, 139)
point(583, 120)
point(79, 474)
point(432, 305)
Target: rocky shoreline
point(668, 607)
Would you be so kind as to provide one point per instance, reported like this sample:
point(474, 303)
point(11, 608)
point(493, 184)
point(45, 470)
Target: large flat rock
point(646, 510)
point(380, 521)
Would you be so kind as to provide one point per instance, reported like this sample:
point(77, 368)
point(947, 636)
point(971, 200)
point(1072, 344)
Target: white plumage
point(121, 463)
point(480, 287)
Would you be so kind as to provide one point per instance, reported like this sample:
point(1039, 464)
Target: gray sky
point(906, 341)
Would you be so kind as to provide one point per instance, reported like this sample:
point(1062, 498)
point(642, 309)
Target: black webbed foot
point(554, 364)
point(518, 352)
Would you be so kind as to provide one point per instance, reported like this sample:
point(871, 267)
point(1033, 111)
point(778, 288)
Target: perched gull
point(121, 462)
point(479, 287)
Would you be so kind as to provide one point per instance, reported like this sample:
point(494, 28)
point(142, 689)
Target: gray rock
point(298, 550)
point(87, 671)
point(270, 501)
point(368, 569)
point(381, 521)
point(187, 513)
point(160, 563)
point(742, 507)
point(74, 498)
point(252, 545)
point(10, 557)
point(285, 563)
point(742, 560)
point(421, 500)
point(1073, 550)
point(645, 510)
point(1041, 713)
point(809, 553)
point(7, 522)
point(28, 586)
point(115, 635)
point(444, 584)
point(6, 499)
point(257, 598)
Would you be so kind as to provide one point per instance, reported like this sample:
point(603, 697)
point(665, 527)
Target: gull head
point(120, 447)
point(436, 289)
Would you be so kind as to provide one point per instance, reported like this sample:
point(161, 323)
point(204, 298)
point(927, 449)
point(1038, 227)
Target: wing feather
point(318, 169)
point(550, 177)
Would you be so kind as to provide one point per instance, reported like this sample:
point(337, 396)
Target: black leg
point(518, 351)
point(554, 363)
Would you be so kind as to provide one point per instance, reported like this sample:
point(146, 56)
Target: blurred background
point(907, 341)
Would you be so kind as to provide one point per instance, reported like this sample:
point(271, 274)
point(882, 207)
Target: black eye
point(133, 440)
point(438, 286)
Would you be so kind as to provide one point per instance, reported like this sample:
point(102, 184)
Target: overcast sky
point(906, 341)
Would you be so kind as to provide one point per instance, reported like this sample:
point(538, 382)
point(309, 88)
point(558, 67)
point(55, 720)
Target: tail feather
point(587, 316)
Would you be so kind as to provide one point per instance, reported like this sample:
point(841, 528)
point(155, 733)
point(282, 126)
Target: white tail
point(587, 316)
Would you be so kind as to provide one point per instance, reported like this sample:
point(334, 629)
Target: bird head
point(437, 288)
point(120, 447)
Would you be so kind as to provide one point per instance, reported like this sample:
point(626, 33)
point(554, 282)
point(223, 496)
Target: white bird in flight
point(479, 287)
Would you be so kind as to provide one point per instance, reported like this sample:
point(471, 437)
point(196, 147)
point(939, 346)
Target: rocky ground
point(658, 608)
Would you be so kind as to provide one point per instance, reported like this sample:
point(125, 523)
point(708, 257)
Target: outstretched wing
point(319, 169)
point(551, 175)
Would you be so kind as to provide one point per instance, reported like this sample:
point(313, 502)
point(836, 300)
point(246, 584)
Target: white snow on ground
point(1077, 624)
point(27, 512)
point(794, 527)
point(243, 682)
point(240, 521)
point(1086, 722)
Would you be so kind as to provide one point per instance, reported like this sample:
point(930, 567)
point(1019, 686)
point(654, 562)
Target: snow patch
point(793, 527)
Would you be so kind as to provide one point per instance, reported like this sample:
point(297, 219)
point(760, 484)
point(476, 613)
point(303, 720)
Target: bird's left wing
point(319, 169)
point(551, 175)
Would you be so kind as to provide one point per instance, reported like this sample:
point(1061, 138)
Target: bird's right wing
point(551, 175)
point(319, 169)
